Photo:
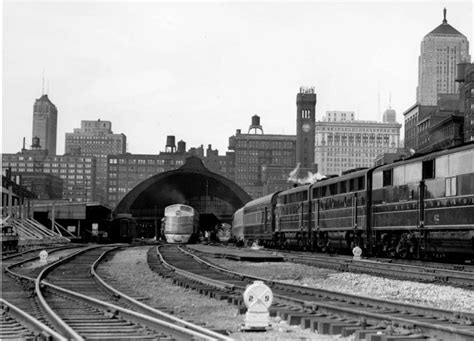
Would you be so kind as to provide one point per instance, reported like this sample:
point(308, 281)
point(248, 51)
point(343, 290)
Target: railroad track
point(321, 310)
point(457, 275)
point(21, 316)
point(83, 306)
point(74, 302)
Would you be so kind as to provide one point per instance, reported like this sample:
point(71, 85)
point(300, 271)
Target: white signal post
point(357, 252)
point(258, 297)
point(43, 255)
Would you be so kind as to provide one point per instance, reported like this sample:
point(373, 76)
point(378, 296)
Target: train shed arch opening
point(215, 197)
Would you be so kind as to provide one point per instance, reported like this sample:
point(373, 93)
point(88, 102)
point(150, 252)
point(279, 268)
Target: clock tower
point(305, 130)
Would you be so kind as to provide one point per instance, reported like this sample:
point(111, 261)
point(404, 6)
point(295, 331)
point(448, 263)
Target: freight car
point(181, 224)
point(418, 207)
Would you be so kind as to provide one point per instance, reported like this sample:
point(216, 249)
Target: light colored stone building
point(348, 144)
point(441, 50)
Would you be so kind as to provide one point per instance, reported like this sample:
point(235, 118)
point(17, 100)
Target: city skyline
point(201, 70)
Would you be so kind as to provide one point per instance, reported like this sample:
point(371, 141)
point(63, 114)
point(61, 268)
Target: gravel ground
point(130, 266)
point(431, 295)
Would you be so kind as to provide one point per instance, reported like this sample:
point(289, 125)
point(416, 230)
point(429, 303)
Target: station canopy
point(192, 184)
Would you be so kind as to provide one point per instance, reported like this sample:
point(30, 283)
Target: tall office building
point(441, 50)
point(45, 123)
point(96, 139)
point(347, 144)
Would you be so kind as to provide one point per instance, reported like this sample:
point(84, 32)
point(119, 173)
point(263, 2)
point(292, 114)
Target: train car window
point(403, 193)
point(333, 189)
point(325, 191)
point(466, 184)
point(361, 183)
point(377, 180)
point(442, 166)
point(428, 169)
point(387, 178)
point(451, 189)
point(305, 195)
point(342, 188)
point(413, 173)
point(317, 192)
point(351, 185)
point(399, 176)
point(435, 188)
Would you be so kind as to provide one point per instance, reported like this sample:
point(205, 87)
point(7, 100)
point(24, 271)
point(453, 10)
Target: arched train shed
point(215, 197)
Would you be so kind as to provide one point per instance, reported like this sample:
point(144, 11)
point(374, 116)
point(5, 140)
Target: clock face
point(306, 127)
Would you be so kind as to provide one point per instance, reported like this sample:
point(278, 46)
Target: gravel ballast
point(130, 267)
point(425, 294)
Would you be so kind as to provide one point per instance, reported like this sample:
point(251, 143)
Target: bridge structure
point(215, 197)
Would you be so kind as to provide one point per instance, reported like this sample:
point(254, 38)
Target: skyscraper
point(45, 123)
point(441, 50)
point(95, 138)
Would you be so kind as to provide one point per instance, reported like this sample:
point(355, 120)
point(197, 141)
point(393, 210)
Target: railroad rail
point(322, 310)
point(22, 316)
point(457, 275)
point(82, 309)
point(73, 304)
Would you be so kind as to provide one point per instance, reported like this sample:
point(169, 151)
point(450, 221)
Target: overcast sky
point(200, 70)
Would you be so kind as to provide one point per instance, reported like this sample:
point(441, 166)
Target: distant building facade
point(45, 123)
point(348, 144)
point(96, 139)
point(339, 116)
point(412, 116)
point(254, 152)
point(76, 172)
point(44, 186)
point(441, 50)
point(389, 116)
point(466, 98)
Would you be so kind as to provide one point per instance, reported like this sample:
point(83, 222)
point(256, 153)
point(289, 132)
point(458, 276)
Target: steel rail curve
point(397, 312)
point(152, 311)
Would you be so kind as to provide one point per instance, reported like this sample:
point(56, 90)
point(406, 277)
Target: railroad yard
point(74, 298)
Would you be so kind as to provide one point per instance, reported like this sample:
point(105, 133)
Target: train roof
point(428, 156)
point(296, 189)
point(261, 200)
point(344, 177)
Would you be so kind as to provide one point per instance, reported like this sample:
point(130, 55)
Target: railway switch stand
point(258, 298)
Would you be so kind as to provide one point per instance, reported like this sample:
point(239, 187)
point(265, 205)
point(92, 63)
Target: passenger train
point(181, 224)
point(422, 206)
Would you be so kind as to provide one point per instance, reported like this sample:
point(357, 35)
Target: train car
point(339, 212)
point(293, 218)
point(181, 224)
point(424, 206)
point(122, 228)
point(259, 220)
point(237, 229)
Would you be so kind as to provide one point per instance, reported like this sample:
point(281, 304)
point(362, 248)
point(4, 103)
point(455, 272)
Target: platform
point(240, 254)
